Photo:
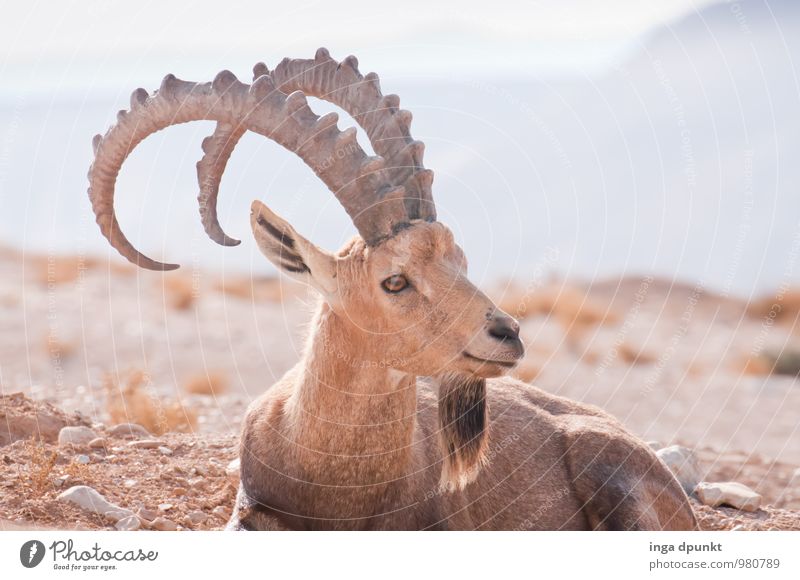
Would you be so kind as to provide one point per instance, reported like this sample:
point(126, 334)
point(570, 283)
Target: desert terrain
point(95, 343)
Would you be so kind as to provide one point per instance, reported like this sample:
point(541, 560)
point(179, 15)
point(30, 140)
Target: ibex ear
point(292, 253)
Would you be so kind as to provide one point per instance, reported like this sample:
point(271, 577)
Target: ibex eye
point(395, 283)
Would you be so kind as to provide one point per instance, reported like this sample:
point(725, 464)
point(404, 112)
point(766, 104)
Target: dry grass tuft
point(180, 292)
point(635, 356)
point(132, 403)
point(211, 383)
point(753, 365)
point(784, 308)
point(57, 348)
point(36, 479)
point(569, 305)
point(253, 289)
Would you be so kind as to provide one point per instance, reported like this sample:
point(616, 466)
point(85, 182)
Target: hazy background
point(629, 138)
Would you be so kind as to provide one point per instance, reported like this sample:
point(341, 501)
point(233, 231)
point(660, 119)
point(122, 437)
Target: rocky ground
point(176, 481)
point(97, 343)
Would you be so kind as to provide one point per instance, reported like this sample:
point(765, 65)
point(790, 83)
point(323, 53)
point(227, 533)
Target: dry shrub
point(254, 289)
point(211, 383)
point(132, 403)
point(179, 291)
point(40, 466)
point(634, 356)
point(63, 269)
point(57, 348)
point(753, 365)
point(783, 307)
point(569, 305)
point(79, 473)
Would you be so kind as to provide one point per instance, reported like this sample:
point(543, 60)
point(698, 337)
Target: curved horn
point(334, 155)
point(386, 125)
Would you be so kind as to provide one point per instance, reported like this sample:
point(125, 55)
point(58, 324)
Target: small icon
point(31, 553)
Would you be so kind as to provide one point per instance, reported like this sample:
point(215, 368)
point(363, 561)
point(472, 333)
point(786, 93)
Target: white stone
point(145, 444)
point(683, 463)
point(163, 525)
point(196, 518)
point(129, 430)
point(232, 472)
point(128, 524)
point(729, 493)
point(91, 500)
point(78, 436)
point(165, 450)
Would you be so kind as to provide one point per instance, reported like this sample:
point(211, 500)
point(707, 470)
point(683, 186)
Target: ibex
point(385, 421)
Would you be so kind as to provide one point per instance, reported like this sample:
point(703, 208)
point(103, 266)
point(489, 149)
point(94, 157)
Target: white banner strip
point(329, 555)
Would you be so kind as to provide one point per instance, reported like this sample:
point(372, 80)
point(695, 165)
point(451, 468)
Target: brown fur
point(353, 438)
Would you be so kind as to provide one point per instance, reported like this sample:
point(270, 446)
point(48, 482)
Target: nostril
point(504, 328)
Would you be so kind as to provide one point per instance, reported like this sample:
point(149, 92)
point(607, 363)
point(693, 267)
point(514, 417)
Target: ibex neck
point(354, 413)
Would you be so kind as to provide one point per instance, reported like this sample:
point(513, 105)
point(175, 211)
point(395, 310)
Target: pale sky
point(61, 42)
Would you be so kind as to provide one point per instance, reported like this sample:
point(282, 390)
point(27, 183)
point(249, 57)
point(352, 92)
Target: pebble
point(77, 436)
point(729, 493)
point(83, 459)
point(129, 483)
point(795, 480)
point(179, 491)
point(165, 450)
point(145, 444)
point(97, 443)
point(196, 518)
point(163, 525)
point(146, 514)
point(163, 507)
point(232, 472)
point(129, 430)
point(93, 501)
point(222, 512)
point(128, 524)
point(684, 465)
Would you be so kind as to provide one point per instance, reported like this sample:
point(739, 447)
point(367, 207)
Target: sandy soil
point(676, 364)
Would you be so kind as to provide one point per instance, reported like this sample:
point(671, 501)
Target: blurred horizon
point(584, 140)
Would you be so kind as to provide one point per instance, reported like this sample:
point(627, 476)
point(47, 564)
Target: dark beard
point(463, 428)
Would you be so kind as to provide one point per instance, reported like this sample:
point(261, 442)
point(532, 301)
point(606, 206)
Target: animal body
point(399, 414)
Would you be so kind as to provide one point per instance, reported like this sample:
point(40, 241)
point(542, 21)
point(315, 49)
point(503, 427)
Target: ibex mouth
point(502, 363)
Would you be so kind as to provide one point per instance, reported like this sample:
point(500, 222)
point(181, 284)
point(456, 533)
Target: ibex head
point(403, 281)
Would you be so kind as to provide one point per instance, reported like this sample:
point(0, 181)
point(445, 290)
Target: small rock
point(92, 501)
point(77, 436)
point(179, 491)
point(129, 483)
point(196, 518)
point(145, 444)
point(128, 524)
point(222, 512)
point(728, 493)
point(165, 507)
point(83, 459)
point(146, 514)
point(165, 450)
point(61, 480)
point(163, 525)
point(97, 443)
point(232, 472)
point(795, 480)
point(683, 464)
point(129, 431)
